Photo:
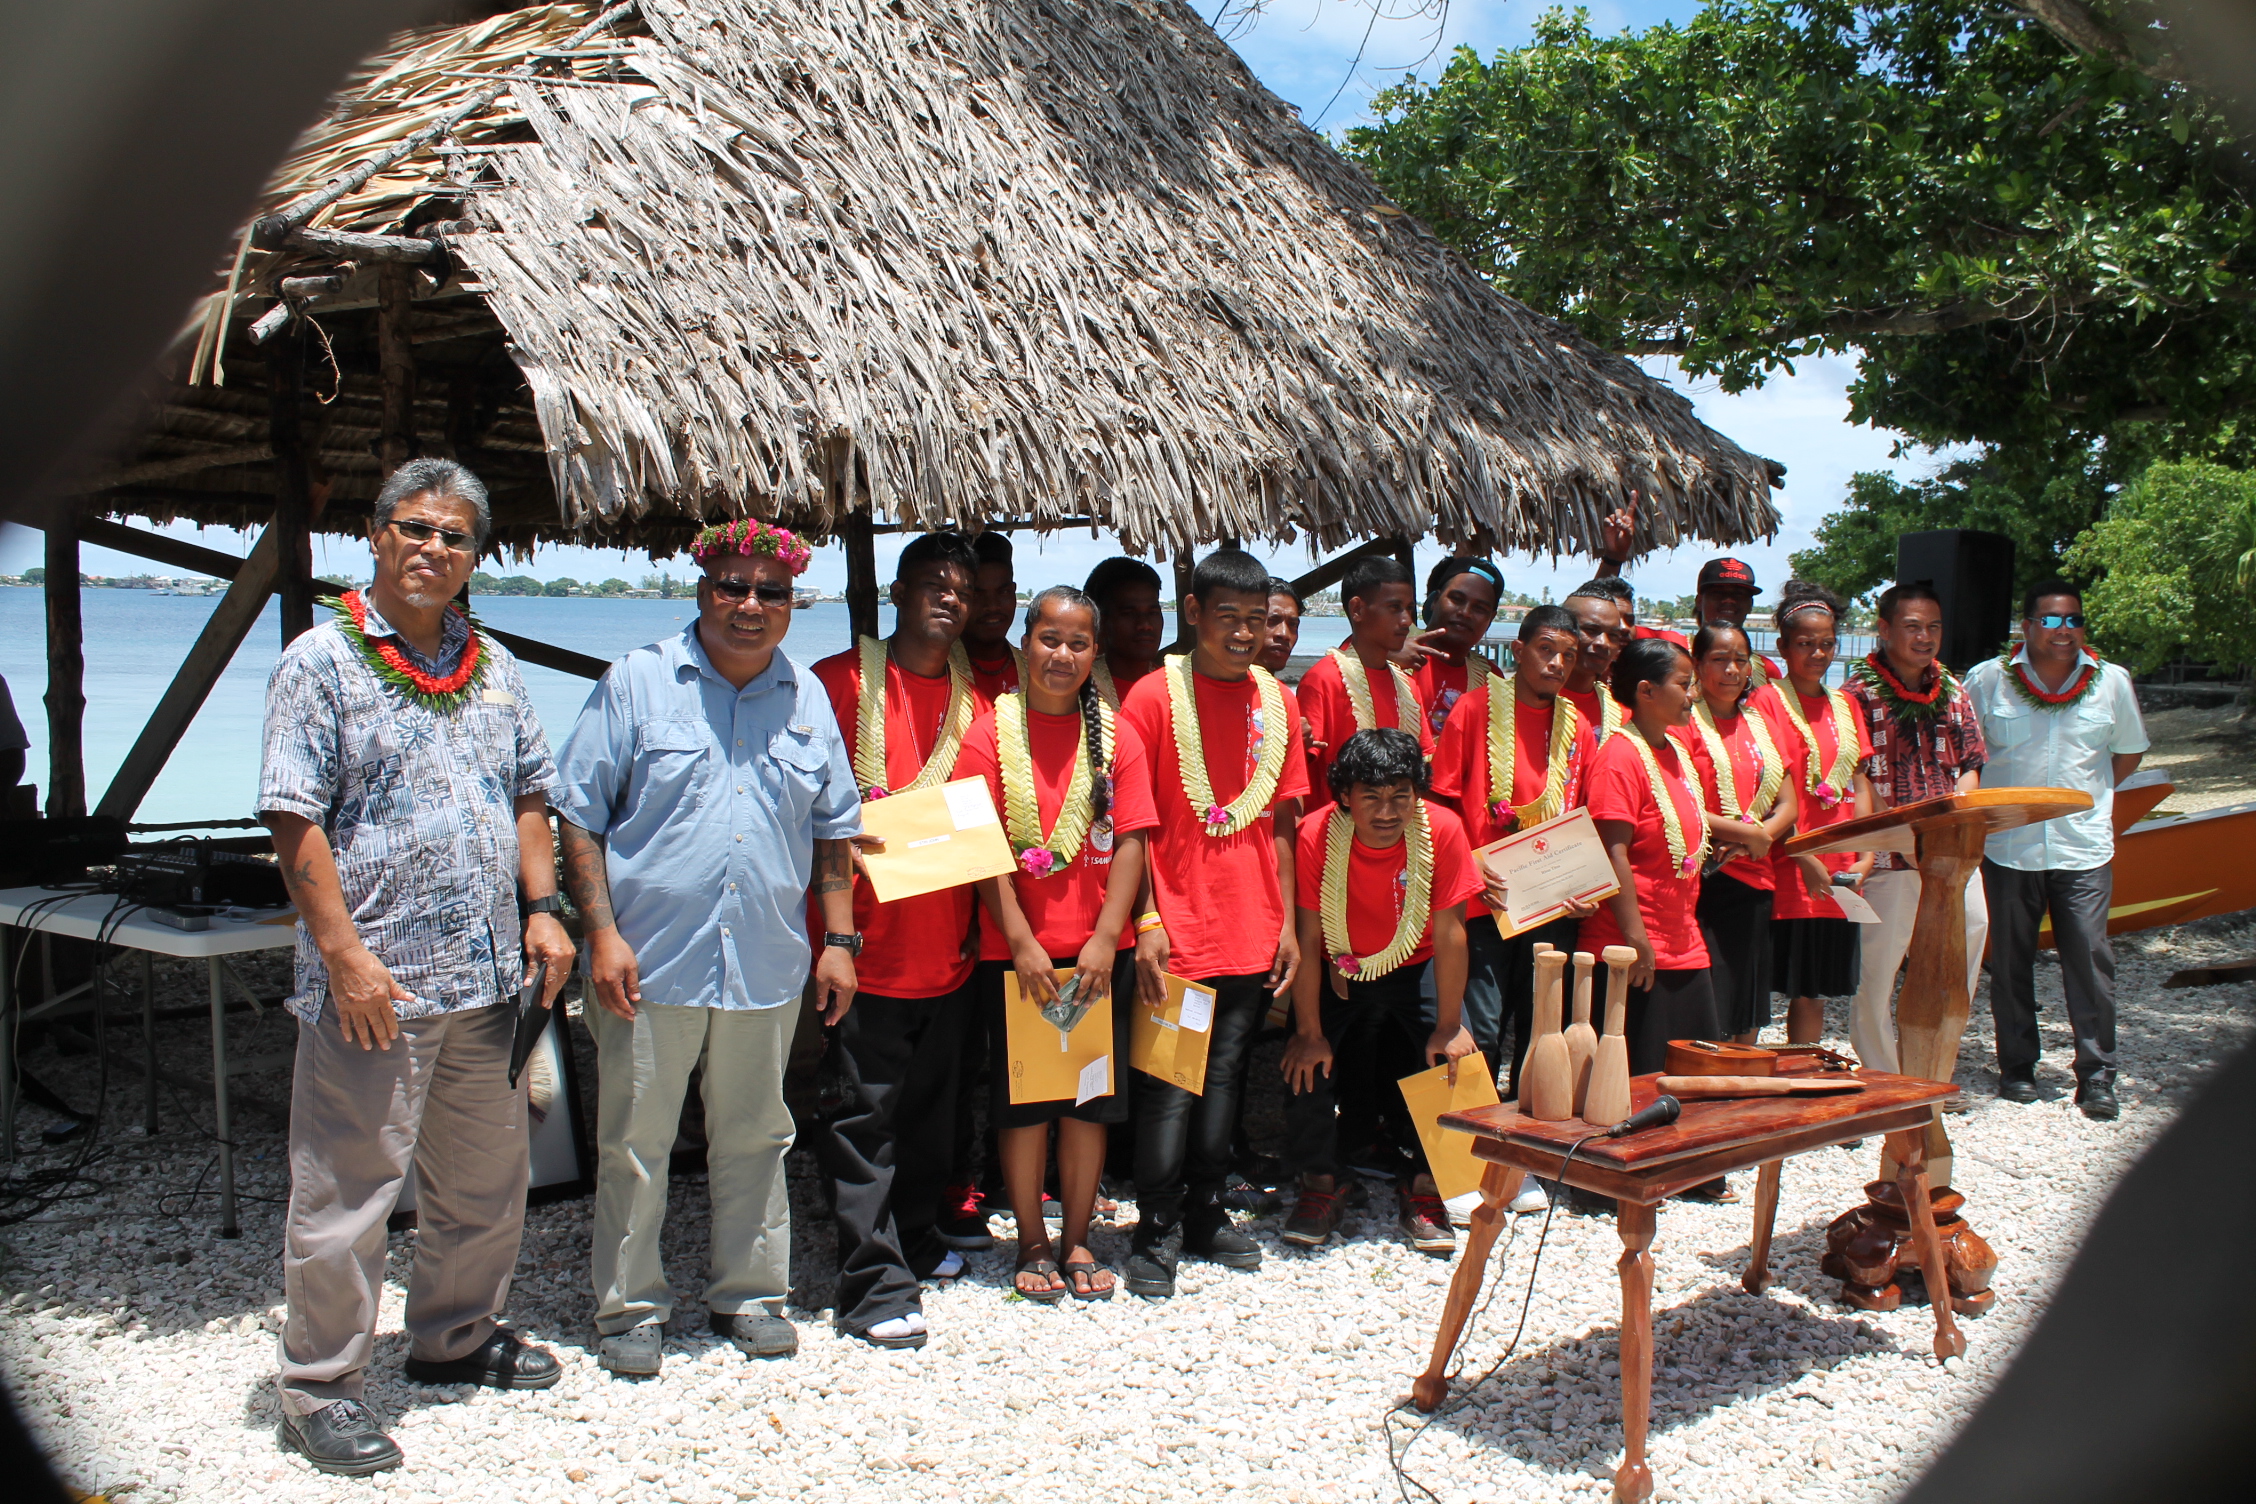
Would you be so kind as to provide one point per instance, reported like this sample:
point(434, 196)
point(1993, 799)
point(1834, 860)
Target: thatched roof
point(960, 262)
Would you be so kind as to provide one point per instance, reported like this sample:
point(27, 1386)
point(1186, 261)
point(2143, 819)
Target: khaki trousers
point(439, 1097)
point(644, 1069)
point(1882, 946)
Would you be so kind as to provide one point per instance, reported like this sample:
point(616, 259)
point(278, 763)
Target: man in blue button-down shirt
point(2055, 717)
point(704, 786)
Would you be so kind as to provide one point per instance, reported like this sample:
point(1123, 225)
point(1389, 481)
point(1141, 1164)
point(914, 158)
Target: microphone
point(1664, 1110)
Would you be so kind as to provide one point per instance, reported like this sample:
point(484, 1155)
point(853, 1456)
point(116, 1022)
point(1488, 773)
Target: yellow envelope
point(1170, 1042)
point(1449, 1154)
point(1047, 1065)
point(934, 839)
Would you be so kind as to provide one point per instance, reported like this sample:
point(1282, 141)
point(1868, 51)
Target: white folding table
point(90, 916)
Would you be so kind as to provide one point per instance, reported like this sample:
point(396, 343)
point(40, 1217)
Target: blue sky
point(1304, 50)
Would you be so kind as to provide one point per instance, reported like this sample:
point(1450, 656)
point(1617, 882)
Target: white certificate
point(1547, 867)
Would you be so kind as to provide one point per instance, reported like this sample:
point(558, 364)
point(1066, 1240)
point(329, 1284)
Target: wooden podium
point(1943, 839)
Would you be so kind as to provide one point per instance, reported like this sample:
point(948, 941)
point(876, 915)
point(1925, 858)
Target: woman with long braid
point(1076, 804)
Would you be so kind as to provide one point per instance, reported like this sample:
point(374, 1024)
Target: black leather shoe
point(2017, 1089)
point(1211, 1235)
point(757, 1332)
point(341, 1437)
point(2098, 1103)
point(502, 1361)
point(1150, 1270)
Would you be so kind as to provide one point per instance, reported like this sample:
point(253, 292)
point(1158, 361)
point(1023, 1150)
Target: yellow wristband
point(1146, 923)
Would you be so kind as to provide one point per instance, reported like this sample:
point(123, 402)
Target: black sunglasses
point(2053, 621)
point(736, 591)
point(423, 532)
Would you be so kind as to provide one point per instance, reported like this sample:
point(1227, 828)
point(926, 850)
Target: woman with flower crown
point(1813, 944)
point(1655, 829)
point(1076, 803)
point(1737, 739)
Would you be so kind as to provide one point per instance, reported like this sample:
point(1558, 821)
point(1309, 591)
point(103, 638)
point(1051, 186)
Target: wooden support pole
point(861, 572)
point(66, 671)
point(224, 630)
point(395, 359)
point(293, 486)
point(1184, 562)
point(1329, 573)
point(545, 655)
point(1404, 551)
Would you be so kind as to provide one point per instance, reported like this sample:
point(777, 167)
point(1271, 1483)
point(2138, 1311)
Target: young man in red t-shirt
point(1500, 986)
point(1370, 924)
point(1601, 632)
point(1227, 777)
point(1127, 593)
point(1462, 595)
point(1358, 686)
point(987, 630)
point(887, 1150)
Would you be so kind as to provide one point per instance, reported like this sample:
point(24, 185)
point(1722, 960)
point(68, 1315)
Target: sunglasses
point(2053, 621)
point(423, 532)
point(736, 591)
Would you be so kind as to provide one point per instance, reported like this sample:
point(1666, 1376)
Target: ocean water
point(135, 642)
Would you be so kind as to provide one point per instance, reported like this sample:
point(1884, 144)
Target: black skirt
point(1735, 923)
point(1679, 1005)
point(1813, 957)
point(1110, 1108)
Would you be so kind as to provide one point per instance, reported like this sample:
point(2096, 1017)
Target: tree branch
point(2073, 22)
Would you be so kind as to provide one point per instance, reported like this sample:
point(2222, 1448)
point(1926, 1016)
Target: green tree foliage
point(612, 586)
point(2025, 245)
point(2172, 567)
point(564, 585)
point(36, 575)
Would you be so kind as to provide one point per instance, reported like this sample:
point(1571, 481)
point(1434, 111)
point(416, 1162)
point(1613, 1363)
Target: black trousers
point(887, 1149)
point(1679, 1005)
point(1183, 1139)
point(1500, 990)
point(1377, 1034)
point(971, 1155)
point(2078, 903)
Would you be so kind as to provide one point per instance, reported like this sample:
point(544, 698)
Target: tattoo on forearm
point(834, 866)
point(586, 878)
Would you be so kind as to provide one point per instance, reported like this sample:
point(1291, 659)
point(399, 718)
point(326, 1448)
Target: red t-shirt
point(1739, 744)
point(1062, 908)
point(1592, 704)
point(1219, 895)
point(911, 947)
point(1123, 679)
point(1666, 634)
point(1460, 765)
point(994, 678)
point(1331, 718)
point(1793, 901)
point(1617, 789)
point(1442, 681)
point(1378, 879)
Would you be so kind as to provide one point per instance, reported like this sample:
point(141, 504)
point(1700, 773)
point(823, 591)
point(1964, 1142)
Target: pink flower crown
point(749, 535)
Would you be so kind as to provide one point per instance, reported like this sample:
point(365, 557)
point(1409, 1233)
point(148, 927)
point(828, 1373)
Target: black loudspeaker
point(1973, 573)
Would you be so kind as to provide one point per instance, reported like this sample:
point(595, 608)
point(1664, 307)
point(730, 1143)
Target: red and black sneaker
point(963, 1219)
point(1425, 1220)
point(1315, 1216)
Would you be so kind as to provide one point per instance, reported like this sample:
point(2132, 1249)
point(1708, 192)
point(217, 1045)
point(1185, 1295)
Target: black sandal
point(1087, 1268)
point(1040, 1266)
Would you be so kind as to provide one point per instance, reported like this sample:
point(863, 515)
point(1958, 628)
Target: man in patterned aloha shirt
point(405, 781)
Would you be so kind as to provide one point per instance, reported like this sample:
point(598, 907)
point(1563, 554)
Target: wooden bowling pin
point(1547, 1085)
point(1582, 1039)
point(1607, 1101)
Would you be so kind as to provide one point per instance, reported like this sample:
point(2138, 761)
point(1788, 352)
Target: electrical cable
point(1398, 1458)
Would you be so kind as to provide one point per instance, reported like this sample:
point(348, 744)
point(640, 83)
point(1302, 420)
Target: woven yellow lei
point(1609, 713)
point(1834, 786)
point(1770, 778)
point(1190, 752)
point(1100, 676)
point(1358, 684)
point(1040, 855)
point(1503, 733)
point(869, 722)
point(1417, 899)
point(1684, 857)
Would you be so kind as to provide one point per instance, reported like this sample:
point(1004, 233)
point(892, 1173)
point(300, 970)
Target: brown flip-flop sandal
point(1087, 1268)
point(1042, 1267)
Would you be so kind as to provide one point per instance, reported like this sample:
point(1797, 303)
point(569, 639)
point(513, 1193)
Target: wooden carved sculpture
point(1607, 1101)
point(1546, 1088)
point(1582, 1039)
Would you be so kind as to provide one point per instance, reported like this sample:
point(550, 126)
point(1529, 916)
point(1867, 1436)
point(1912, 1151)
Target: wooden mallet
point(1582, 1039)
point(1607, 1101)
point(1546, 1084)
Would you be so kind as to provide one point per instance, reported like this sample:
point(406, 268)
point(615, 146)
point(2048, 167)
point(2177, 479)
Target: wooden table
point(1944, 839)
point(1642, 1169)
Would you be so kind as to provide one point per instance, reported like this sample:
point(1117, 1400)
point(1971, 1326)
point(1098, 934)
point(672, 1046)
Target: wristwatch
point(851, 944)
point(549, 905)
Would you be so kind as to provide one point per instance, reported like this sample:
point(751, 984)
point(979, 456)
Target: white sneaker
point(948, 1268)
point(1531, 1197)
point(1461, 1208)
